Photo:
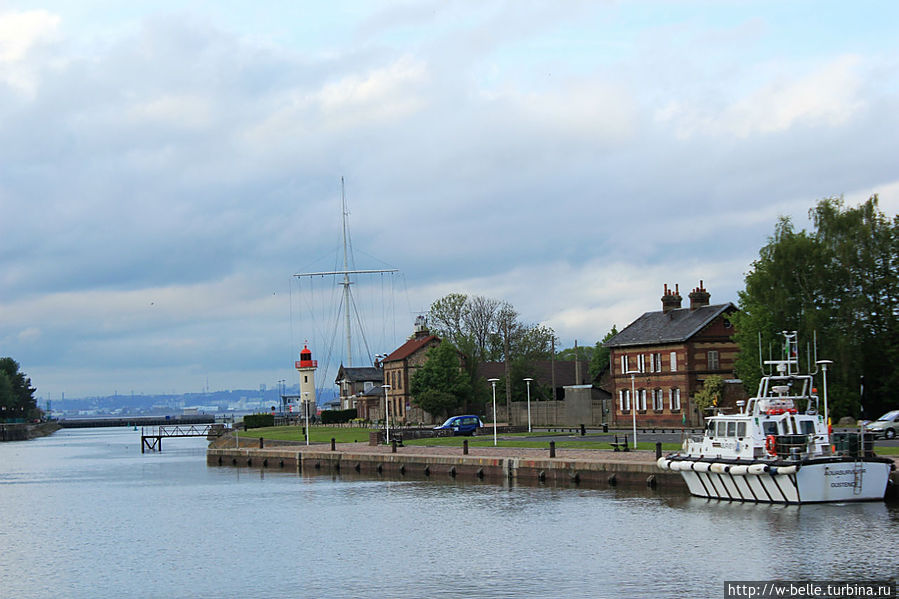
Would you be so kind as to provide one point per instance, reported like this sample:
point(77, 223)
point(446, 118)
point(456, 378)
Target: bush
point(258, 420)
point(338, 416)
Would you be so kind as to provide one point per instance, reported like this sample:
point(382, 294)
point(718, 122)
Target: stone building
point(659, 361)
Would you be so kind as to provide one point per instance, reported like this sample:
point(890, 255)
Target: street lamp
point(528, 381)
point(633, 404)
point(493, 382)
point(387, 413)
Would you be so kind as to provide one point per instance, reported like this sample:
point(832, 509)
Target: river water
point(83, 514)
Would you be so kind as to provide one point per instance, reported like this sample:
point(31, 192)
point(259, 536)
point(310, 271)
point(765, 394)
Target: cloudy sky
point(166, 167)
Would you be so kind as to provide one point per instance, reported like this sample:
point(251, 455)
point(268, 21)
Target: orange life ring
point(770, 444)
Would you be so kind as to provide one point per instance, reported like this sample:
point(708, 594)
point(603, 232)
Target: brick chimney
point(671, 299)
point(699, 297)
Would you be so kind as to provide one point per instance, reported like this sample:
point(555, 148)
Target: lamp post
point(493, 382)
point(387, 413)
point(633, 403)
point(528, 381)
point(306, 413)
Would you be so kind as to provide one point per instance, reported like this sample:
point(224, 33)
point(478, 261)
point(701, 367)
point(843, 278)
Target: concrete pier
point(587, 468)
point(590, 468)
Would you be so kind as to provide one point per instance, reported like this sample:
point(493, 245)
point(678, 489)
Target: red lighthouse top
point(306, 360)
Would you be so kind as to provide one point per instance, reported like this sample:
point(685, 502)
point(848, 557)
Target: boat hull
point(811, 482)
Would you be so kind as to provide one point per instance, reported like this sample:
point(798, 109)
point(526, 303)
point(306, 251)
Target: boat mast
point(346, 272)
point(346, 278)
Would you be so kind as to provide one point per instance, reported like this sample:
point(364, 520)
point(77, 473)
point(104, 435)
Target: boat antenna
point(815, 349)
point(761, 360)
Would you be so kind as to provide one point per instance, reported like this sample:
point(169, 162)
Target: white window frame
point(674, 399)
point(641, 400)
point(624, 364)
point(673, 361)
point(658, 401)
point(656, 362)
point(713, 359)
point(641, 362)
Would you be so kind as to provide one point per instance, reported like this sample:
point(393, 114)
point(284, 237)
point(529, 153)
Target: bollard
point(626, 446)
point(465, 447)
point(605, 428)
point(333, 444)
point(552, 449)
point(583, 430)
point(261, 443)
point(393, 446)
point(658, 449)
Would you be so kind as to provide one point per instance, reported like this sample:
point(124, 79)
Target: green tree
point(838, 284)
point(440, 386)
point(484, 329)
point(599, 361)
point(16, 392)
point(711, 392)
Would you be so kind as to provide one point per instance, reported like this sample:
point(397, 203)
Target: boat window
point(808, 427)
point(769, 427)
point(732, 429)
point(741, 429)
point(710, 429)
point(722, 428)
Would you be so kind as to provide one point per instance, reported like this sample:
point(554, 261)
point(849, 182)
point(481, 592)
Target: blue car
point(461, 425)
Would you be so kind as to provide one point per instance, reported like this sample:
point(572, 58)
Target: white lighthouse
point(306, 367)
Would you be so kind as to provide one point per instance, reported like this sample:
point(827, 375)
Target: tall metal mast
point(346, 272)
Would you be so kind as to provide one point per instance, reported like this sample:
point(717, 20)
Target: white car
point(886, 426)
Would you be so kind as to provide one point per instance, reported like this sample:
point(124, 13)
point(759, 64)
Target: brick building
point(669, 354)
point(399, 367)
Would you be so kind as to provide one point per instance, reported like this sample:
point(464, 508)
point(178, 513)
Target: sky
point(167, 167)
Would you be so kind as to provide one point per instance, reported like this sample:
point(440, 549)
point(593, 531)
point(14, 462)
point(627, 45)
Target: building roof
point(673, 326)
point(410, 347)
point(359, 374)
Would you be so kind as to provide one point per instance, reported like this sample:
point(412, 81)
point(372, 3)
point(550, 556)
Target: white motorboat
point(778, 448)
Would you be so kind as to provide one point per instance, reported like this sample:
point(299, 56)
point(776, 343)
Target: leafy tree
point(484, 329)
point(16, 392)
point(711, 392)
point(440, 385)
point(839, 284)
point(600, 358)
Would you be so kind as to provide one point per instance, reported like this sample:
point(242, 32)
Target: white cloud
point(20, 33)
point(826, 95)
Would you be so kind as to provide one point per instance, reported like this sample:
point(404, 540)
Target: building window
point(641, 400)
point(674, 361)
point(624, 364)
point(657, 403)
point(674, 399)
point(641, 362)
point(656, 363)
point(713, 359)
point(621, 400)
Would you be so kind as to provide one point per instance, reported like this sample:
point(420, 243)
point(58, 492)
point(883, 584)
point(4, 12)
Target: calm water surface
point(84, 515)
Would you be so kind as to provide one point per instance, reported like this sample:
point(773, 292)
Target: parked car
point(886, 426)
point(461, 425)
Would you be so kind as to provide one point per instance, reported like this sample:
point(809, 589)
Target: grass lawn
point(317, 434)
